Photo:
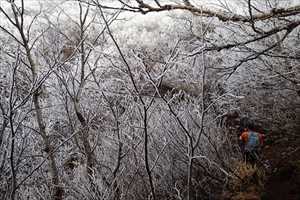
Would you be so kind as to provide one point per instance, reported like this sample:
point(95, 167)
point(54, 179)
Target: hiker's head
point(244, 123)
point(250, 125)
point(247, 124)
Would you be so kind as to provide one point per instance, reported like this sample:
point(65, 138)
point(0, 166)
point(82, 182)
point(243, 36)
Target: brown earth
point(283, 177)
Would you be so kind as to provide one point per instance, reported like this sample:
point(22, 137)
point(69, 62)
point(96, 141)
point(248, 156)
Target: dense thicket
point(98, 101)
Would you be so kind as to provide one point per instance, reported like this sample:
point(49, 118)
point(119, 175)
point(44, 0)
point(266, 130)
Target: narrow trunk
point(57, 190)
point(90, 157)
point(11, 160)
point(146, 154)
point(190, 171)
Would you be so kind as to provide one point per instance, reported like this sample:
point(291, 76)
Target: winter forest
point(145, 99)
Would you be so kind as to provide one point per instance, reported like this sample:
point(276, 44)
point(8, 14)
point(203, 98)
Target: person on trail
point(252, 142)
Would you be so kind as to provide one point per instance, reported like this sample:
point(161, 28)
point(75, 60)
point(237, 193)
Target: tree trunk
point(90, 157)
point(57, 190)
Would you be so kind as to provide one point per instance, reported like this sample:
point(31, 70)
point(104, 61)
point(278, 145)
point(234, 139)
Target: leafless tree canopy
point(133, 99)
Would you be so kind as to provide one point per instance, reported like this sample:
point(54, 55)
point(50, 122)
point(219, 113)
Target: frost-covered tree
point(122, 105)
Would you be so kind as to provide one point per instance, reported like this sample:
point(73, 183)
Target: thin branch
point(258, 54)
point(267, 34)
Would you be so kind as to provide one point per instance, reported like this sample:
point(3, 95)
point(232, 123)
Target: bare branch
point(202, 11)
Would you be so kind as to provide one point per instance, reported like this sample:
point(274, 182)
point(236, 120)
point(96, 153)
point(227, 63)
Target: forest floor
point(282, 153)
point(278, 174)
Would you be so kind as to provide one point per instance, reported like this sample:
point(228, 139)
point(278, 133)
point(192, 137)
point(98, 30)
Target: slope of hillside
point(283, 182)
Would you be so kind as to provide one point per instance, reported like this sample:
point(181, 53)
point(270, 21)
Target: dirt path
point(283, 177)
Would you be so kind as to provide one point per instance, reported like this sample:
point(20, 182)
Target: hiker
point(251, 142)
